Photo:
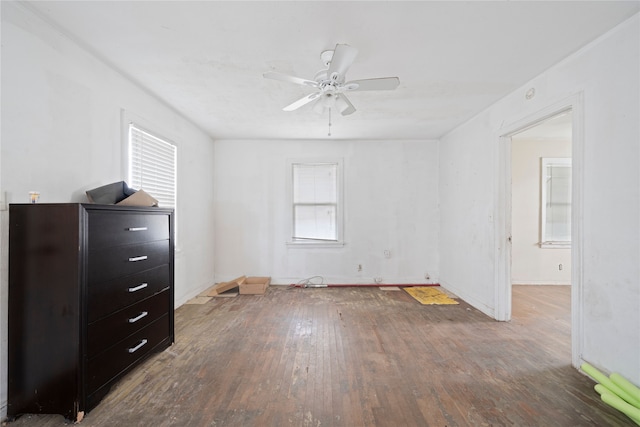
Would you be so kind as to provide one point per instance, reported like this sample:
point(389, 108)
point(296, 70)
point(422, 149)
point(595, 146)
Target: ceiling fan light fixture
point(329, 100)
point(318, 106)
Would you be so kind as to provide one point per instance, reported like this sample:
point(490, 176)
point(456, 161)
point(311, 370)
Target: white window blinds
point(556, 202)
point(152, 166)
point(315, 201)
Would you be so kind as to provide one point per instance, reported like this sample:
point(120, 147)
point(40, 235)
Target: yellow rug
point(429, 295)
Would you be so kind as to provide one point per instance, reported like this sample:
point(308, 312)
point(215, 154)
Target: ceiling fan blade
point(289, 79)
point(302, 101)
point(343, 105)
point(343, 57)
point(384, 83)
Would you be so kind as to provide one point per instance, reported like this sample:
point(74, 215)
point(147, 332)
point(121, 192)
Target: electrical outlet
point(387, 253)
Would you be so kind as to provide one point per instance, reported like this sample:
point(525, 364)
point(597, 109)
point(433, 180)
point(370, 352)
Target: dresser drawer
point(106, 297)
point(107, 264)
point(106, 366)
point(108, 331)
point(122, 228)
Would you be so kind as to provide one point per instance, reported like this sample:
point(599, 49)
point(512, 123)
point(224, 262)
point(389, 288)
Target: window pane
point(315, 183)
point(315, 222)
point(558, 219)
point(557, 206)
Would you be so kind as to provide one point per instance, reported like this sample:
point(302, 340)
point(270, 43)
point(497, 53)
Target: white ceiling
point(206, 58)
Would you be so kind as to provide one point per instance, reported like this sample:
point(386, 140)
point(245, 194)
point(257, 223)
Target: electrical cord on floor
point(310, 282)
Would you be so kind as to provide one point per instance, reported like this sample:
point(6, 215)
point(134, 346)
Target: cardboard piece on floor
point(231, 293)
point(225, 286)
point(254, 285)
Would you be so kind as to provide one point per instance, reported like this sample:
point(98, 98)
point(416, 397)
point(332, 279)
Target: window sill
point(315, 244)
point(555, 245)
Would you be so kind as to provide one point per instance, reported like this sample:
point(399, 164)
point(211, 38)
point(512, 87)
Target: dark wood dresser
point(90, 296)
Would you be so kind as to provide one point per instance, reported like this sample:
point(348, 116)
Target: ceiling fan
point(331, 84)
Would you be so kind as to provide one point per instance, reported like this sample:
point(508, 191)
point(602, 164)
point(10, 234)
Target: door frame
point(503, 229)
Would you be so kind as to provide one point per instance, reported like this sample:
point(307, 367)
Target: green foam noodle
point(627, 386)
point(622, 406)
point(605, 381)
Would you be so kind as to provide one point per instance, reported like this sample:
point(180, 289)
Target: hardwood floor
point(358, 357)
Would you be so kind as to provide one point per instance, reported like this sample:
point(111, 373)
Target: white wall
point(531, 264)
point(391, 202)
point(606, 74)
point(61, 135)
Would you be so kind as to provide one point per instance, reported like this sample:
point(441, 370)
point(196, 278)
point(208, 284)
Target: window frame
point(546, 162)
point(309, 243)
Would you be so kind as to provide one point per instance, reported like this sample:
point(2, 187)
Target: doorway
point(503, 267)
point(541, 229)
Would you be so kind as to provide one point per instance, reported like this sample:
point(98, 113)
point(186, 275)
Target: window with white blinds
point(152, 166)
point(316, 201)
point(555, 206)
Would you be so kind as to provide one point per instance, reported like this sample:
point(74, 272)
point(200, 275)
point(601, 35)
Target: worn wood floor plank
point(358, 357)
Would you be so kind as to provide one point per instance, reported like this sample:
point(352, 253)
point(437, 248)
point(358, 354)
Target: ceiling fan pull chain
point(329, 134)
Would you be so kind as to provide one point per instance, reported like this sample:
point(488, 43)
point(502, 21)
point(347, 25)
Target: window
point(316, 206)
point(555, 230)
point(152, 165)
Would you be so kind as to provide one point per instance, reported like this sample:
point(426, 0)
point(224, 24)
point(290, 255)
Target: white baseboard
point(386, 281)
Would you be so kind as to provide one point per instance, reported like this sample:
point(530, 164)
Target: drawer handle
point(137, 288)
point(138, 258)
point(138, 347)
point(137, 229)
point(135, 319)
